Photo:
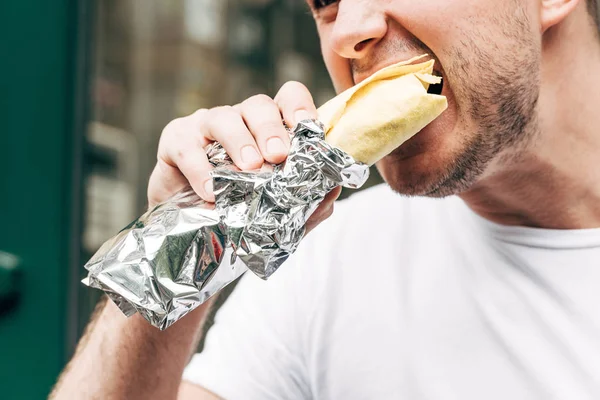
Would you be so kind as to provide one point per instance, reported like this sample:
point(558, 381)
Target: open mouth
point(437, 87)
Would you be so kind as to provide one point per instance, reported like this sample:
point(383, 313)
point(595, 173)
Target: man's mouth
point(361, 73)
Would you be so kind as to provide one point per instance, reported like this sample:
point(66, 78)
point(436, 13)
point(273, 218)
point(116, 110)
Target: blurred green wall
point(37, 120)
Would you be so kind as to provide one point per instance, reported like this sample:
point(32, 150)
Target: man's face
point(488, 53)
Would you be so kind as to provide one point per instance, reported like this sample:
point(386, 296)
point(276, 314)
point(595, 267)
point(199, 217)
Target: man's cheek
point(338, 67)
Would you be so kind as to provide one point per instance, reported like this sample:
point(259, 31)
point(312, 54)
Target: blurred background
point(86, 89)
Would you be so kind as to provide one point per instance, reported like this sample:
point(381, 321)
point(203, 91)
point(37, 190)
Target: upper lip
point(361, 76)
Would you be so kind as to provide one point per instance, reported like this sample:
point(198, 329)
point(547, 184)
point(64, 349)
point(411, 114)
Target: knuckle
point(292, 86)
point(170, 154)
point(169, 146)
point(173, 127)
point(199, 113)
point(180, 156)
point(220, 111)
point(215, 115)
point(270, 126)
point(257, 99)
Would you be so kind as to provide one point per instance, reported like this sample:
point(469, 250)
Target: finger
point(182, 148)
point(165, 181)
point(195, 167)
point(166, 178)
point(263, 119)
point(296, 103)
point(325, 209)
point(225, 125)
point(193, 163)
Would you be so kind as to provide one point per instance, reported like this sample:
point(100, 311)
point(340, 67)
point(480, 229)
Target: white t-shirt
point(414, 298)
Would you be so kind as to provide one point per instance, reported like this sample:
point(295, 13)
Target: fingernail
point(301, 115)
point(276, 146)
point(208, 187)
point(250, 155)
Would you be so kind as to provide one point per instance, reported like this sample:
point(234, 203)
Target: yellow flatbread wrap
point(370, 120)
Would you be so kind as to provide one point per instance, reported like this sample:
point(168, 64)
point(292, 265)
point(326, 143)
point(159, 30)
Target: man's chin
point(422, 174)
point(436, 162)
point(407, 179)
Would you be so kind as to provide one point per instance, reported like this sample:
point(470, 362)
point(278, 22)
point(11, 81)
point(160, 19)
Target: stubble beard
point(500, 103)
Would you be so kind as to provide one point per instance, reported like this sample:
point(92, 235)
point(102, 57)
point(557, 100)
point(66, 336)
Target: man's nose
point(358, 27)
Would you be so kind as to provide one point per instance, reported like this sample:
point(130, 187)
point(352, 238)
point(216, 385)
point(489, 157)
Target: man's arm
point(120, 358)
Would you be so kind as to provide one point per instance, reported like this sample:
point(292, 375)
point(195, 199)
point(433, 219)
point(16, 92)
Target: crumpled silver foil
point(180, 253)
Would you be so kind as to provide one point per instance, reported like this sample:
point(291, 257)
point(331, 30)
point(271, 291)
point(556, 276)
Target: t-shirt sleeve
point(255, 348)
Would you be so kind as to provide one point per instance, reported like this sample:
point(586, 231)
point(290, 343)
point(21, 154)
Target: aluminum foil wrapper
point(177, 255)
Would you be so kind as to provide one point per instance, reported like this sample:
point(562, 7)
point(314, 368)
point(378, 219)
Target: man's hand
point(128, 358)
point(251, 133)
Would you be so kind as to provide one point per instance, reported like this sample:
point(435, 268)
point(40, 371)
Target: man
point(488, 293)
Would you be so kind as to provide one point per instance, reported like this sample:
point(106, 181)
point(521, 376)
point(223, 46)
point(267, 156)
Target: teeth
point(436, 88)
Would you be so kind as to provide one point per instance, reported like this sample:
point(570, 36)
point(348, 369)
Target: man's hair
point(592, 6)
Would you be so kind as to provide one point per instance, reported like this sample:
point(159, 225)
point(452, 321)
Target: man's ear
point(553, 12)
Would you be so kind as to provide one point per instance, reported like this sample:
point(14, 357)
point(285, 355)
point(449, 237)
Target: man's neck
point(555, 182)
